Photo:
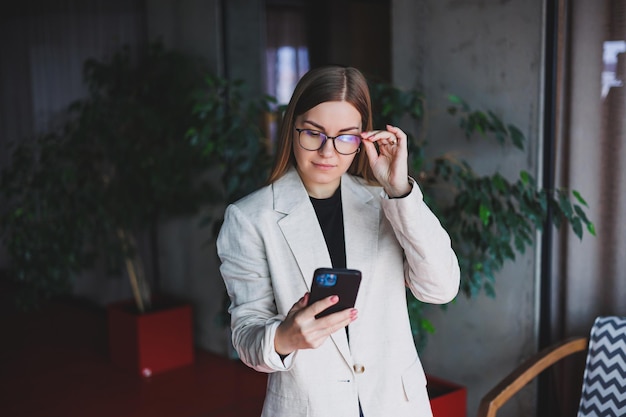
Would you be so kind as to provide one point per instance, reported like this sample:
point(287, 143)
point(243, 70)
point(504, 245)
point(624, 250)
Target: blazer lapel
point(300, 226)
point(361, 220)
point(306, 240)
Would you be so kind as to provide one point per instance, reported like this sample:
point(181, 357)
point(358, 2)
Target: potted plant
point(85, 194)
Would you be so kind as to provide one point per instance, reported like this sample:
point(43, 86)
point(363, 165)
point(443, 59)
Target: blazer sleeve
point(254, 317)
point(431, 266)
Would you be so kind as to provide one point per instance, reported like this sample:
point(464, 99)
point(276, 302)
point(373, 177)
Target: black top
point(330, 216)
point(329, 213)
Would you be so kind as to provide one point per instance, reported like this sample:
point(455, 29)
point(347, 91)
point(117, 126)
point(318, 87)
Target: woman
point(339, 194)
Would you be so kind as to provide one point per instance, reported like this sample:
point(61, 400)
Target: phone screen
point(335, 281)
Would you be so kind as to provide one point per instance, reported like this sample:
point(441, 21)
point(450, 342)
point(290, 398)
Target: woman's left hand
point(390, 162)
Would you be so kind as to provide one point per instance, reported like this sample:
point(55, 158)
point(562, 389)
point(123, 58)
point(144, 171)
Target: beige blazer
point(271, 243)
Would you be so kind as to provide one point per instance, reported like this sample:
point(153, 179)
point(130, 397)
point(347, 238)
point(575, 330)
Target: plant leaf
point(485, 214)
point(580, 198)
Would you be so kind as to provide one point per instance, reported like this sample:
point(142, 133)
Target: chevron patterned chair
point(604, 381)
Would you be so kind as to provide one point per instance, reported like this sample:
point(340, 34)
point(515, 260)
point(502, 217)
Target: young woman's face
point(321, 169)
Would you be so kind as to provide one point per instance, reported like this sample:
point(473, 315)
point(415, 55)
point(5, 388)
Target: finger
point(338, 320)
point(353, 314)
point(381, 137)
point(372, 153)
point(300, 304)
point(323, 304)
point(399, 133)
point(326, 326)
point(305, 299)
point(330, 330)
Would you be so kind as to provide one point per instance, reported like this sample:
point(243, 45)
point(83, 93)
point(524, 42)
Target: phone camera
point(326, 280)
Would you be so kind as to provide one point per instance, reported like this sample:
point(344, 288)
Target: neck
point(321, 191)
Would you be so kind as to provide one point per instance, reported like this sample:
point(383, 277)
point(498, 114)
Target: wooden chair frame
point(526, 372)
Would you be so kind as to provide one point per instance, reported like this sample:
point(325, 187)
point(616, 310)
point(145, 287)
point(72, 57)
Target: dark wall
point(351, 32)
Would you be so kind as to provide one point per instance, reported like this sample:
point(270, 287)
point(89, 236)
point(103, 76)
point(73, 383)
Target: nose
point(327, 149)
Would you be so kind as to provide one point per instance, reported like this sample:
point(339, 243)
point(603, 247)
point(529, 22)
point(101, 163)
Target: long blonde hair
point(329, 83)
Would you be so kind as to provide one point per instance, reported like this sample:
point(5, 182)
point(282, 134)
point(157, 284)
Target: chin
point(322, 177)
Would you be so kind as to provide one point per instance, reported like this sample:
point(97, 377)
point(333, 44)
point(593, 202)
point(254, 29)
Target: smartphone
point(335, 281)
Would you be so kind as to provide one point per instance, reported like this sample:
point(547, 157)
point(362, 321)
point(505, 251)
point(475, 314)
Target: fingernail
point(334, 298)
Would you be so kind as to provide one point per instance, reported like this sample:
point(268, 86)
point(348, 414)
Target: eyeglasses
point(312, 140)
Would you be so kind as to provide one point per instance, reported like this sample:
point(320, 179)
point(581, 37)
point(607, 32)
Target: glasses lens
point(311, 140)
point(347, 144)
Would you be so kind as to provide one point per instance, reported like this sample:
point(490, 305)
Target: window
point(287, 54)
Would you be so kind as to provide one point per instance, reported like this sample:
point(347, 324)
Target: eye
point(349, 138)
point(313, 133)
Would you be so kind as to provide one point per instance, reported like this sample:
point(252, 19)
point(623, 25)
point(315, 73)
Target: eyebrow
point(322, 129)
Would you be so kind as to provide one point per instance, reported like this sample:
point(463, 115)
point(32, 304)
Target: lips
point(323, 166)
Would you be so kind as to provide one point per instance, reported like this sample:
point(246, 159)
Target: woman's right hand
point(301, 330)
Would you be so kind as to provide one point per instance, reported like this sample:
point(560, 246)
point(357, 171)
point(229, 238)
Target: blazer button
point(358, 369)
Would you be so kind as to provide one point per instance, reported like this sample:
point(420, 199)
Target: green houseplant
point(489, 218)
point(93, 193)
point(232, 130)
point(43, 222)
point(82, 195)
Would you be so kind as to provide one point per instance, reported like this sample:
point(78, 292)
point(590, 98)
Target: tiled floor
point(54, 363)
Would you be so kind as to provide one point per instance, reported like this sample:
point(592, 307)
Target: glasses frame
point(325, 137)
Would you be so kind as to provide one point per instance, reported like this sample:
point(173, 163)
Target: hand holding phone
point(335, 281)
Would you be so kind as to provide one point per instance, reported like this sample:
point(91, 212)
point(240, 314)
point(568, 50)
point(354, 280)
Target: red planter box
point(152, 342)
point(447, 399)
